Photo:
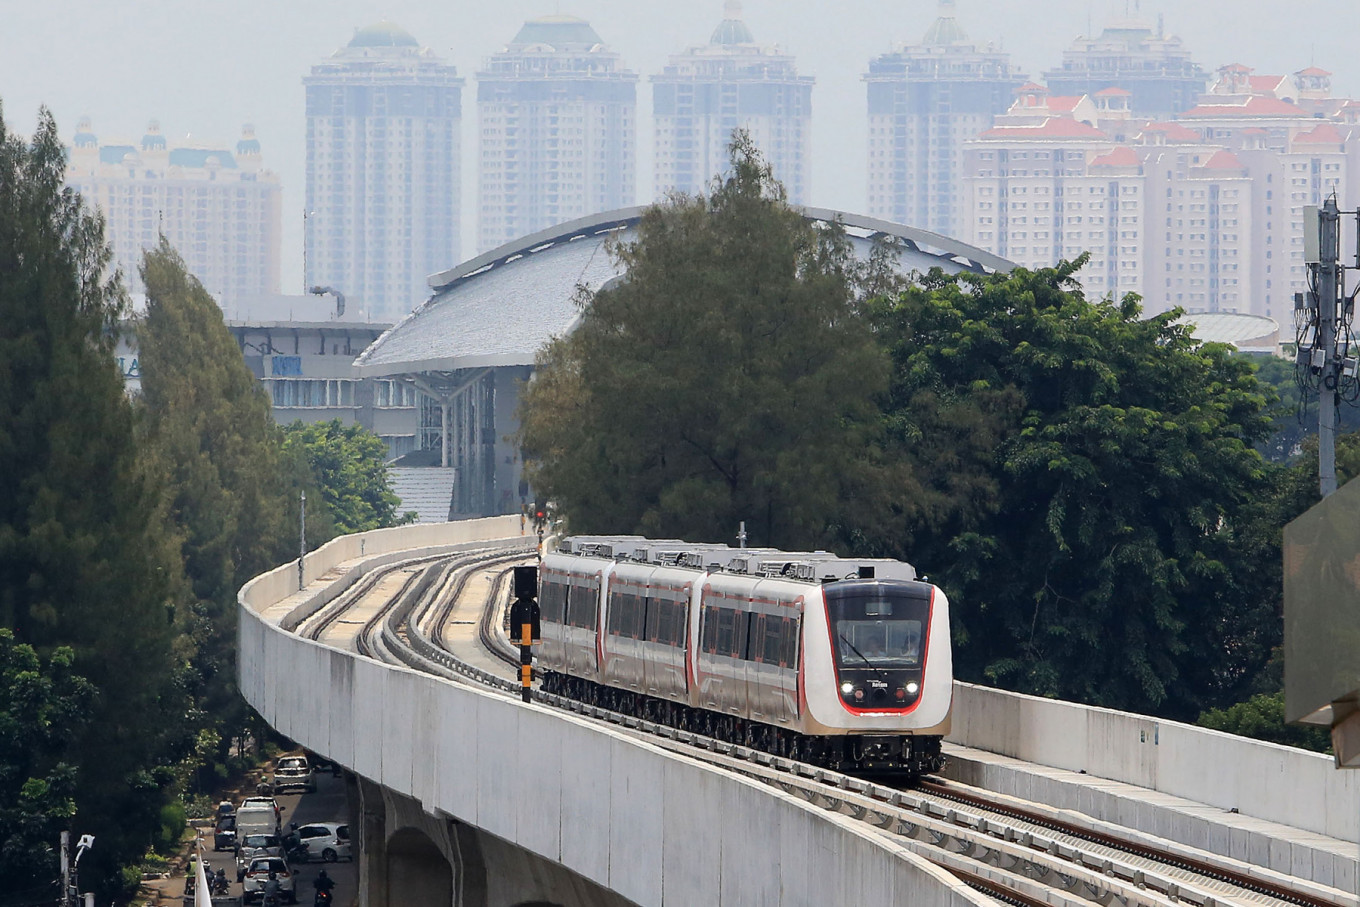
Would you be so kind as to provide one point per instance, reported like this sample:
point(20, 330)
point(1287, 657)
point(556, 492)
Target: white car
point(328, 841)
point(257, 876)
point(293, 772)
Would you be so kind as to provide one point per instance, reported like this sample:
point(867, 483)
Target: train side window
point(790, 656)
point(709, 630)
point(773, 640)
point(757, 632)
point(657, 611)
point(727, 631)
point(743, 649)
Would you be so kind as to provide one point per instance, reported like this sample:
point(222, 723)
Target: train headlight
point(913, 687)
point(847, 688)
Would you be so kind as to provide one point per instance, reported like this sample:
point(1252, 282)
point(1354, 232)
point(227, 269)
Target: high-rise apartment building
point(1203, 213)
point(221, 210)
point(925, 101)
point(731, 82)
point(557, 118)
point(1154, 67)
point(383, 158)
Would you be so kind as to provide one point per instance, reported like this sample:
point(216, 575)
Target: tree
point(231, 491)
point(43, 709)
point(1084, 487)
point(349, 463)
point(726, 378)
point(85, 564)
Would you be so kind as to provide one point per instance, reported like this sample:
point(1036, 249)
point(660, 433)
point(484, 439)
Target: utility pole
point(302, 535)
point(741, 535)
point(1329, 244)
point(1324, 315)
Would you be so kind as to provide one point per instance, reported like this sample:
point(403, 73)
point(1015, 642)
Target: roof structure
point(1254, 106)
point(1223, 159)
point(500, 308)
point(1051, 128)
point(1249, 333)
point(383, 34)
point(558, 32)
point(1121, 156)
point(732, 30)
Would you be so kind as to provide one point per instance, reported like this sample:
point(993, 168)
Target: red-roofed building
point(1322, 134)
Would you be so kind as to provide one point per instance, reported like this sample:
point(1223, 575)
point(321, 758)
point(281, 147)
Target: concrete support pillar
point(372, 858)
point(444, 433)
point(469, 865)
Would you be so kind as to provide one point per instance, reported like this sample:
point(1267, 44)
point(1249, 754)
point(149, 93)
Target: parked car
point(257, 874)
point(292, 773)
point(224, 834)
point(328, 841)
point(251, 846)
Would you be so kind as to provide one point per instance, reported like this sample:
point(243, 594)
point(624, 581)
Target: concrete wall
point(647, 825)
point(1276, 783)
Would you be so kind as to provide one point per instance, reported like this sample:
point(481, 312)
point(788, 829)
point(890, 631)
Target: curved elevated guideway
point(401, 635)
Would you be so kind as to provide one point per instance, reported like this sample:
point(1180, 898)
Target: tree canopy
point(87, 572)
point(727, 378)
point(1091, 478)
point(349, 463)
point(230, 488)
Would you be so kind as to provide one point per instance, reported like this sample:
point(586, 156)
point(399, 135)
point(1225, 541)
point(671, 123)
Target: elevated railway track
point(445, 615)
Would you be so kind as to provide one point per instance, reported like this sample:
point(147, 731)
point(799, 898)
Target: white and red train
point(842, 662)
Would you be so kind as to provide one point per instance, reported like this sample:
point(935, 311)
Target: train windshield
point(881, 642)
point(879, 623)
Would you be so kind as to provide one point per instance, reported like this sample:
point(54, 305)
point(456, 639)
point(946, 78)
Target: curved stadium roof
point(501, 307)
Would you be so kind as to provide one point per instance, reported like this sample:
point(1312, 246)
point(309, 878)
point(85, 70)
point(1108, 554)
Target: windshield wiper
point(862, 657)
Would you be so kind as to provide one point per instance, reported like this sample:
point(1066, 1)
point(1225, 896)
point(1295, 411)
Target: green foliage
point(727, 379)
point(1294, 415)
point(230, 488)
point(42, 711)
point(1083, 484)
point(174, 819)
point(349, 464)
point(86, 567)
point(1262, 717)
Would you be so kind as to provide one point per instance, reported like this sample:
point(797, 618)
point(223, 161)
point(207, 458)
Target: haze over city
point(205, 69)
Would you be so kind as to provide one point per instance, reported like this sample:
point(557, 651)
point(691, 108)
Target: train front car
point(879, 674)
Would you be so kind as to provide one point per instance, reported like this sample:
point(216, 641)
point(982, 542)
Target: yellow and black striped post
point(524, 618)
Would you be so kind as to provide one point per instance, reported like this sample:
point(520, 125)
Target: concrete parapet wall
point(1264, 780)
point(653, 827)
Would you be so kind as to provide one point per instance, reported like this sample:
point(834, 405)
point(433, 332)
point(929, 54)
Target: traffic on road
point(288, 846)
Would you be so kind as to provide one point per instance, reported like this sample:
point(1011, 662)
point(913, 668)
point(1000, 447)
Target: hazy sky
point(205, 67)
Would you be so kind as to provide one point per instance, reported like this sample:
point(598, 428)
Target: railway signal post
point(524, 620)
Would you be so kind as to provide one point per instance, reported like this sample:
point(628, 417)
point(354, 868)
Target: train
point(840, 662)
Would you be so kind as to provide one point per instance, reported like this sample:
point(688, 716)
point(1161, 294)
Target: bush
point(173, 819)
point(1262, 718)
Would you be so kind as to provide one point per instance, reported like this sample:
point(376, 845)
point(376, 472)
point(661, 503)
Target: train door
point(583, 606)
point(772, 669)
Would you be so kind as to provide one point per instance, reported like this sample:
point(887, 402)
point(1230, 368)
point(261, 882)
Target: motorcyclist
point(271, 890)
point(323, 884)
point(220, 885)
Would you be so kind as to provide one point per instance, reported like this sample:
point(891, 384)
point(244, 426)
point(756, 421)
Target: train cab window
point(880, 623)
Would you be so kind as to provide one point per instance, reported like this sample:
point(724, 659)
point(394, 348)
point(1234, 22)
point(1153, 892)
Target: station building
point(470, 347)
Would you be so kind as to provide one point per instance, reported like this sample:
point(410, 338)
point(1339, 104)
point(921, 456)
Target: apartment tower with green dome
point(383, 170)
point(731, 82)
point(557, 121)
point(925, 101)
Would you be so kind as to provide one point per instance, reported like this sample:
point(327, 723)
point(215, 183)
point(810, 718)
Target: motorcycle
point(323, 898)
point(219, 885)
